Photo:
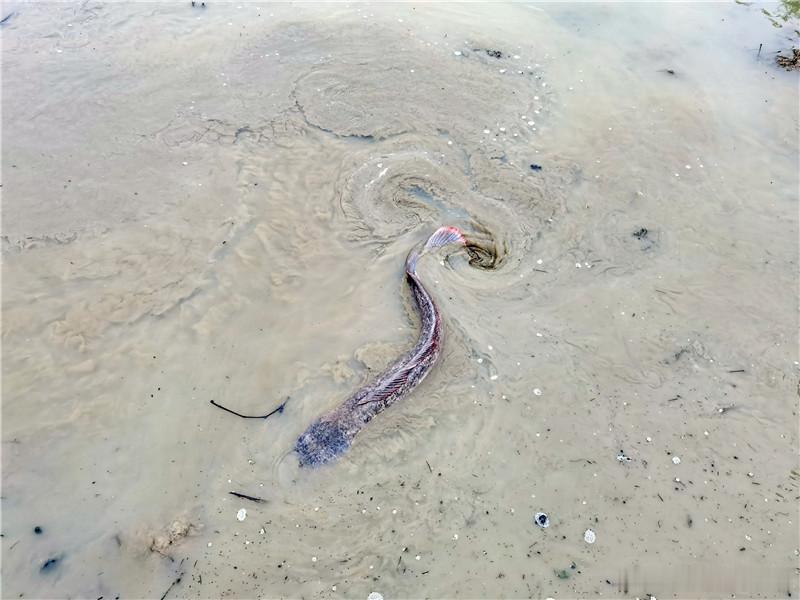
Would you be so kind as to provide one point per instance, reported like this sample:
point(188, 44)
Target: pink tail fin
point(445, 236)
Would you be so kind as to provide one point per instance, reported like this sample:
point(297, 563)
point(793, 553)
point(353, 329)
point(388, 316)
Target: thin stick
point(246, 497)
point(759, 50)
point(233, 412)
point(171, 585)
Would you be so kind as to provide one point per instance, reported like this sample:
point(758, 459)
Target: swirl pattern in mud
point(215, 202)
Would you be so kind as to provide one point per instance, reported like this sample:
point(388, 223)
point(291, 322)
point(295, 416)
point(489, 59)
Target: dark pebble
point(535, 167)
point(494, 53)
point(37, 530)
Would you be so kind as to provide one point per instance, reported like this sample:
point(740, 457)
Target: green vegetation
point(787, 10)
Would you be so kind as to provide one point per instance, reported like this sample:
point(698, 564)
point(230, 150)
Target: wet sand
point(215, 204)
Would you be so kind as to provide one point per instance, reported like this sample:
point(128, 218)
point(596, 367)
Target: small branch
point(233, 412)
point(246, 497)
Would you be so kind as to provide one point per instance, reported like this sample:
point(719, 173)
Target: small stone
point(376, 595)
point(242, 514)
point(589, 536)
point(542, 520)
point(676, 460)
point(537, 392)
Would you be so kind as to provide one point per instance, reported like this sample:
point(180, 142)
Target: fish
point(331, 435)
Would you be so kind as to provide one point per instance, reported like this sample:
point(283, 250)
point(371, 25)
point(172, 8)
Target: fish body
point(331, 435)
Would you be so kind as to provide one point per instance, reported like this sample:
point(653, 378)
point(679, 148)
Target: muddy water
point(216, 203)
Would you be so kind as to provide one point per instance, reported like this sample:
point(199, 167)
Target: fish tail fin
point(445, 236)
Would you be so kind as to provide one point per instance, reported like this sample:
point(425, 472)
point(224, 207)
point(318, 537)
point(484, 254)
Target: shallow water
point(216, 204)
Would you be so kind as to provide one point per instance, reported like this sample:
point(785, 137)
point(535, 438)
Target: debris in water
point(494, 53)
point(50, 564)
point(676, 460)
point(246, 497)
point(242, 514)
point(537, 392)
point(7, 18)
point(535, 167)
point(789, 63)
point(161, 541)
point(622, 458)
point(37, 530)
point(640, 233)
point(375, 596)
point(563, 574)
point(542, 520)
point(589, 536)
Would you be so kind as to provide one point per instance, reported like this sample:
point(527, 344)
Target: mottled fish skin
point(331, 435)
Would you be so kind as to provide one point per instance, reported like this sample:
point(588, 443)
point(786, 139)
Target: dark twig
point(429, 466)
point(246, 497)
point(737, 371)
point(233, 412)
point(759, 50)
point(171, 585)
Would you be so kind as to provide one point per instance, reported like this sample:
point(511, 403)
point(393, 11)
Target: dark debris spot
point(50, 564)
point(535, 167)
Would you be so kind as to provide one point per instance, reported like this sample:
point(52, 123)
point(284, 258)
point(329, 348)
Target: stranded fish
point(332, 434)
